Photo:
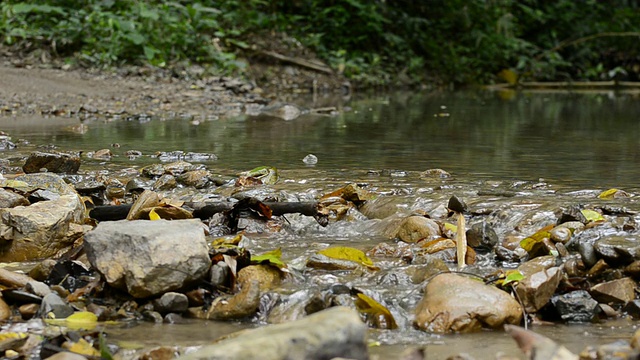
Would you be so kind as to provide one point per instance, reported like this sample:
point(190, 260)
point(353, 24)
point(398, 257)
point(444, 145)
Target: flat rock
point(619, 291)
point(454, 303)
point(9, 199)
point(481, 237)
point(332, 333)
point(536, 289)
point(618, 250)
point(52, 162)
point(575, 306)
point(148, 258)
point(414, 228)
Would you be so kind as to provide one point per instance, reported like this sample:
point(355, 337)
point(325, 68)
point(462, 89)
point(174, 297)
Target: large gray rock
point(332, 333)
point(45, 228)
point(454, 303)
point(148, 258)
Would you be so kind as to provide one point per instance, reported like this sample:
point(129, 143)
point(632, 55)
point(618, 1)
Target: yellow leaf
point(12, 335)
point(592, 215)
point(82, 347)
point(153, 215)
point(377, 315)
point(608, 194)
point(450, 227)
point(347, 253)
point(533, 243)
point(80, 320)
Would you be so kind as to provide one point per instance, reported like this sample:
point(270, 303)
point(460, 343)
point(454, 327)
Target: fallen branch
point(297, 61)
point(207, 210)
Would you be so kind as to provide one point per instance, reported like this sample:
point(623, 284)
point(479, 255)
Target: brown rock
point(196, 178)
point(241, 305)
point(414, 228)
point(5, 310)
point(619, 291)
point(536, 289)
point(454, 303)
point(267, 276)
point(53, 162)
point(537, 264)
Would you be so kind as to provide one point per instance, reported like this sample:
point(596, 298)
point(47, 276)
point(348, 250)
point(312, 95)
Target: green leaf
point(592, 215)
point(104, 349)
point(348, 253)
point(533, 242)
point(512, 276)
point(377, 315)
point(82, 320)
point(608, 194)
point(272, 257)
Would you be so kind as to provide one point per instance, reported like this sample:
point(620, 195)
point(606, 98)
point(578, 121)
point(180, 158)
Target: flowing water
point(547, 148)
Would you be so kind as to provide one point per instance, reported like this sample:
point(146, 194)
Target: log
point(203, 210)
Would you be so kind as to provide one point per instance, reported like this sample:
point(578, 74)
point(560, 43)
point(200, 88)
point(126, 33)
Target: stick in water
point(461, 241)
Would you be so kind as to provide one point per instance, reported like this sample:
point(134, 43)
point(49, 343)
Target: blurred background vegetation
point(372, 42)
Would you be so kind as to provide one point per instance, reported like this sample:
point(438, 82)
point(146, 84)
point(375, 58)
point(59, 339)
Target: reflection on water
point(588, 139)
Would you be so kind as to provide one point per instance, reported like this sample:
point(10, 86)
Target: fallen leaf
point(153, 215)
point(271, 257)
point(377, 315)
point(348, 253)
point(592, 215)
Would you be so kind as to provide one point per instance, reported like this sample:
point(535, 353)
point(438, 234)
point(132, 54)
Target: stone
point(52, 303)
point(198, 179)
point(537, 264)
point(571, 214)
point(267, 276)
point(165, 182)
point(9, 199)
point(454, 303)
point(536, 289)
point(335, 332)
point(560, 234)
point(457, 204)
point(618, 250)
point(171, 302)
point(414, 228)
point(538, 347)
point(575, 306)
point(66, 355)
point(239, 306)
point(481, 237)
point(619, 291)
point(40, 230)
point(632, 309)
point(52, 162)
point(148, 258)
point(587, 253)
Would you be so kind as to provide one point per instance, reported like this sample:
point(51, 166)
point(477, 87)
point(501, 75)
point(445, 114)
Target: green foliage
point(373, 42)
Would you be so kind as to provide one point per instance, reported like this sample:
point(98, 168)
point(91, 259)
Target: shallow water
point(541, 146)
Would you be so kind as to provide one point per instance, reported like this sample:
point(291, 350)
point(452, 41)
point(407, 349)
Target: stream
point(522, 151)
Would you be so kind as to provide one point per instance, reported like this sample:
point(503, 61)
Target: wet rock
point(414, 228)
point(536, 289)
point(619, 291)
point(429, 268)
point(267, 276)
point(52, 162)
point(454, 303)
point(538, 347)
point(53, 303)
point(633, 269)
point(65, 355)
point(457, 204)
point(320, 261)
point(560, 234)
point(40, 230)
point(135, 186)
point(435, 173)
point(219, 275)
point(196, 178)
point(165, 182)
point(620, 349)
point(538, 264)
point(149, 257)
point(632, 309)
point(382, 207)
point(332, 333)
point(293, 306)
point(283, 111)
point(102, 154)
point(482, 237)
point(153, 170)
point(576, 306)
point(618, 250)
point(179, 167)
point(188, 156)
point(171, 302)
point(9, 199)
point(27, 311)
point(588, 253)
point(239, 306)
point(5, 310)
point(573, 213)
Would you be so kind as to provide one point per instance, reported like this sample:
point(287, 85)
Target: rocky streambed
point(322, 266)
